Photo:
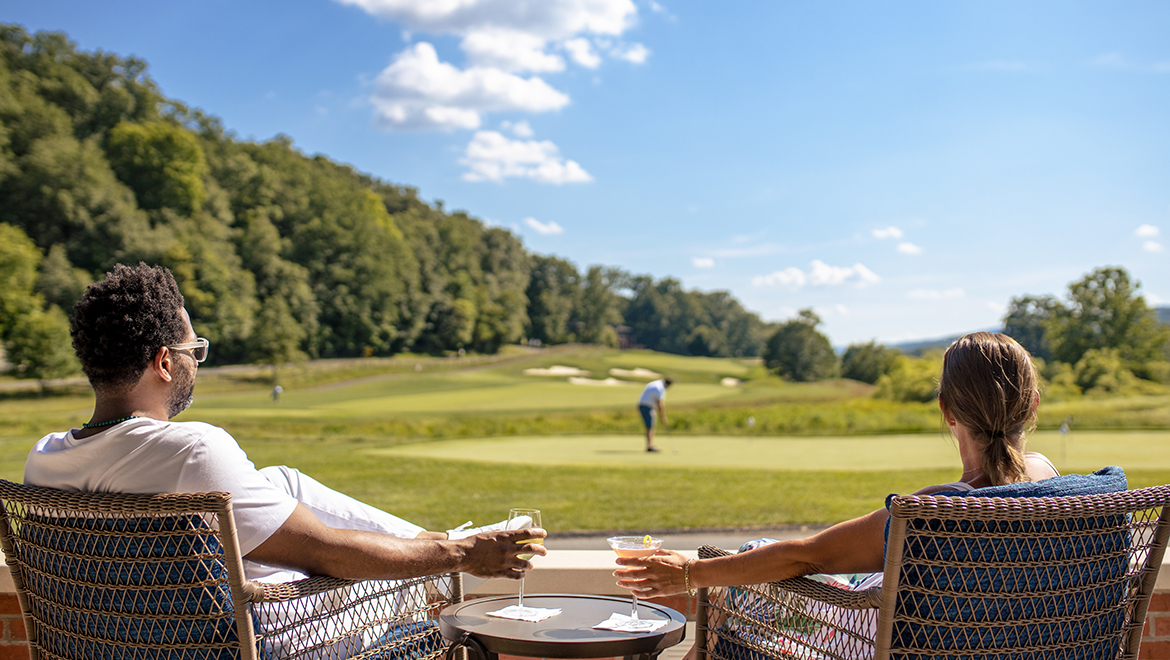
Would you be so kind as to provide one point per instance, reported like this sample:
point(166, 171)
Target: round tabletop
point(569, 634)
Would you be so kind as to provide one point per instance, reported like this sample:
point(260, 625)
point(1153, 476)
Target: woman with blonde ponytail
point(988, 396)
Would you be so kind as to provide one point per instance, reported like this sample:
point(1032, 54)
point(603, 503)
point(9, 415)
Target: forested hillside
point(279, 254)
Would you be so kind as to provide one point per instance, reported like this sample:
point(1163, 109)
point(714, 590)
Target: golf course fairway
point(1075, 452)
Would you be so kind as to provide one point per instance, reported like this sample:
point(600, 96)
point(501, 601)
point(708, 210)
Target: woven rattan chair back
point(968, 577)
point(127, 577)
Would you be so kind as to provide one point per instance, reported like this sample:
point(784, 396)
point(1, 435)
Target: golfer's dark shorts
point(647, 417)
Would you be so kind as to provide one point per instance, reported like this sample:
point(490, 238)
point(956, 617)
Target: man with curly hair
point(137, 347)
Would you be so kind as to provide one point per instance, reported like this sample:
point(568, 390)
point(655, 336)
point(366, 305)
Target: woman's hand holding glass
point(659, 574)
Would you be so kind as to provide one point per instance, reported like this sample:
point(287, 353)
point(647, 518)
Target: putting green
point(1083, 451)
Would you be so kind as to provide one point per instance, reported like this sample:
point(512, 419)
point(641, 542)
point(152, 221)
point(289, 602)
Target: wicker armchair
point(966, 577)
point(125, 577)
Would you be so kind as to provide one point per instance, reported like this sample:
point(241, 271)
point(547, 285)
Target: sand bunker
point(608, 382)
point(730, 382)
point(635, 373)
point(557, 370)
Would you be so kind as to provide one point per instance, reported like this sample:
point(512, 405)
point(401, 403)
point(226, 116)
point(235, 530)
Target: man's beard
point(182, 392)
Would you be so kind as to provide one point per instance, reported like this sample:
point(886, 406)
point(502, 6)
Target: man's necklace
point(94, 425)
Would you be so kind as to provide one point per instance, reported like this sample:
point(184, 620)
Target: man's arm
point(662, 412)
point(306, 544)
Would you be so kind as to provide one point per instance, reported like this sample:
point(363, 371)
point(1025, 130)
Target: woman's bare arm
point(854, 546)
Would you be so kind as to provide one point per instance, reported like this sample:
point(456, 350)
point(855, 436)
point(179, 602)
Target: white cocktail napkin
point(519, 613)
point(623, 623)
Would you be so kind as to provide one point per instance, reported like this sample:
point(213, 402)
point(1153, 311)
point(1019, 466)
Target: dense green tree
point(798, 351)
point(67, 194)
point(161, 162)
point(868, 362)
point(600, 308)
point(36, 338)
point(38, 345)
point(19, 259)
point(1027, 322)
point(1105, 311)
point(58, 281)
point(278, 337)
point(554, 290)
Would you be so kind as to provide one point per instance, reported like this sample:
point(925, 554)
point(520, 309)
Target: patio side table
point(569, 634)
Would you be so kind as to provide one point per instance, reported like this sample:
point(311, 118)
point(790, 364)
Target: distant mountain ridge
point(918, 346)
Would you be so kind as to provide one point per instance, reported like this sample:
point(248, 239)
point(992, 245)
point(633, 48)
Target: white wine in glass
point(634, 546)
point(524, 519)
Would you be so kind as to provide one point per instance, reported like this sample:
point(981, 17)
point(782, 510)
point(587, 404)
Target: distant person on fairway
point(653, 398)
point(136, 344)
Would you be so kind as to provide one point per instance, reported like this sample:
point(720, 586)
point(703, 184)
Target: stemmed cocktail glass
point(634, 546)
point(524, 519)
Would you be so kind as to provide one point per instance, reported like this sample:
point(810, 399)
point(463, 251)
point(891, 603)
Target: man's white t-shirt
point(654, 392)
point(146, 455)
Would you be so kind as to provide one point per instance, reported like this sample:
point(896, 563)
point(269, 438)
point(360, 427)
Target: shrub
point(911, 379)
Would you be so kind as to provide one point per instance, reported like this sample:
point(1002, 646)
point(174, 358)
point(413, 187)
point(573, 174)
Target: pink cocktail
point(634, 546)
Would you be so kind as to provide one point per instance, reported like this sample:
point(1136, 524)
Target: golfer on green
point(653, 397)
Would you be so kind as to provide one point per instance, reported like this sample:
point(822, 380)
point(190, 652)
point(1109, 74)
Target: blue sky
point(905, 168)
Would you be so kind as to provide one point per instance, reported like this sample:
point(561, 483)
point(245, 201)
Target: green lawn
point(456, 439)
point(1077, 452)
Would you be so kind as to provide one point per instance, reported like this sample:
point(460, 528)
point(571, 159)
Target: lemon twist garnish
point(647, 541)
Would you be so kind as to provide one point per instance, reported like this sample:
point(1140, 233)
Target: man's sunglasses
point(198, 348)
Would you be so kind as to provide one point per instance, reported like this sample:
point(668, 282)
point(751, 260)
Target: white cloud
point(581, 52)
point(934, 294)
point(703, 262)
point(519, 129)
point(1152, 246)
point(634, 53)
point(822, 274)
point(501, 40)
point(888, 232)
point(1146, 231)
point(909, 248)
point(551, 19)
point(841, 309)
point(545, 228)
point(791, 277)
point(819, 274)
point(510, 50)
point(417, 91)
point(490, 156)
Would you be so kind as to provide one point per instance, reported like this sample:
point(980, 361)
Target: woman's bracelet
point(687, 577)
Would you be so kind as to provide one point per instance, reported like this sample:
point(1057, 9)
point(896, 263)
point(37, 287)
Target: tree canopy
point(798, 351)
point(281, 255)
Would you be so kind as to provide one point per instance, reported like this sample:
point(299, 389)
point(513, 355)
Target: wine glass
point(634, 546)
point(524, 519)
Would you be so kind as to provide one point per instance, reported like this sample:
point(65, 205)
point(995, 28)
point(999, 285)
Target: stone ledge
point(560, 572)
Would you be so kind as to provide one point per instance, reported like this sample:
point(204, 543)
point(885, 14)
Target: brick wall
point(13, 642)
point(1156, 634)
